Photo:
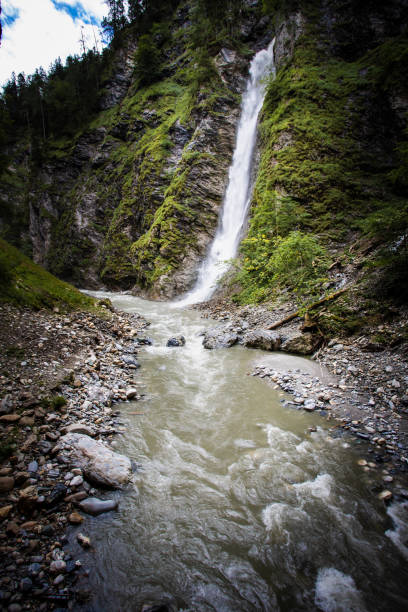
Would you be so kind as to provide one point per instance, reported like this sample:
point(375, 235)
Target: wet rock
point(99, 464)
point(385, 495)
point(95, 506)
point(144, 341)
point(131, 393)
point(216, 338)
point(176, 341)
point(75, 518)
point(56, 495)
point(262, 339)
point(80, 428)
point(6, 483)
point(83, 540)
point(309, 405)
point(130, 360)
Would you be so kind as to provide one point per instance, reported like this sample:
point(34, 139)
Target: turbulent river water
point(235, 505)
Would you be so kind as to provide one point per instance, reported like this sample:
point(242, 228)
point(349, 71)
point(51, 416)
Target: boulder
point(262, 339)
point(219, 338)
point(95, 506)
point(176, 341)
point(303, 344)
point(99, 463)
point(80, 428)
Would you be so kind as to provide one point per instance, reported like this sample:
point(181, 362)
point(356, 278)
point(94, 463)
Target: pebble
point(385, 495)
point(75, 518)
point(83, 540)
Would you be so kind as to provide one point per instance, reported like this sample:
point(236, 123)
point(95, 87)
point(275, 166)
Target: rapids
point(235, 505)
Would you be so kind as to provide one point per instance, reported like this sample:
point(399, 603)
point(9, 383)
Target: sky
point(36, 32)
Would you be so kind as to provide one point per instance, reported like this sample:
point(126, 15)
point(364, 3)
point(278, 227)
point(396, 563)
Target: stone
point(176, 341)
point(131, 392)
point(362, 462)
point(385, 495)
point(27, 421)
point(80, 428)
point(219, 338)
point(32, 466)
point(76, 497)
point(100, 464)
point(130, 360)
point(57, 494)
point(21, 478)
point(26, 584)
point(6, 484)
point(262, 339)
point(75, 518)
point(9, 418)
point(5, 511)
point(76, 481)
point(301, 343)
point(57, 566)
point(27, 502)
point(309, 405)
point(83, 540)
point(95, 506)
point(12, 529)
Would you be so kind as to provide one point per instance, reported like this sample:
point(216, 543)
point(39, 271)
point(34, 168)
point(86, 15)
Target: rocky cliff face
point(133, 200)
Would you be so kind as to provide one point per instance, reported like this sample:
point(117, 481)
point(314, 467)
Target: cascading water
point(237, 197)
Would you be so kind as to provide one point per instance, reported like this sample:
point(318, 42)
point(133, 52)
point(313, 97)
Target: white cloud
point(41, 33)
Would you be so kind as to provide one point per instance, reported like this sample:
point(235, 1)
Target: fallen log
point(292, 316)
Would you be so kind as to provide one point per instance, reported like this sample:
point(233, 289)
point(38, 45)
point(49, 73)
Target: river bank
point(52, 552)
point(60, 374)
point(365, 394)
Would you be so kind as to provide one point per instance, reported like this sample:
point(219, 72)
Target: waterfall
point(237, 196)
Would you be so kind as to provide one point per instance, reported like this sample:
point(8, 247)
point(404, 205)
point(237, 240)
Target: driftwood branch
point(292, 316)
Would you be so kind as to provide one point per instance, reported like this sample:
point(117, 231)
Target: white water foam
point(237, 197)
point(337, 592)
point(399, 535)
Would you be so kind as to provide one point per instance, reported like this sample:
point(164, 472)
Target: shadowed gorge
point(203, 313)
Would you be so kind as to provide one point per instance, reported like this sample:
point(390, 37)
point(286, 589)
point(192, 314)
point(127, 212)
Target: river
point(236, 505)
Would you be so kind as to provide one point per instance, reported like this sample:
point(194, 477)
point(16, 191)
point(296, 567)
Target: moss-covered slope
point(24, 283)
point(330, 203)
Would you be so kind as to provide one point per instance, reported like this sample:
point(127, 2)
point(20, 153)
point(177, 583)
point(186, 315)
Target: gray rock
point(176, 341)
point(95, 506)
point(33, 467)
point(309, 405)
point(219, 338)
point(262, 339)
point(76, 481)
point(131, 392)
point(80, 428)
point(99, 463)
point(130, 360)
point(301, 343)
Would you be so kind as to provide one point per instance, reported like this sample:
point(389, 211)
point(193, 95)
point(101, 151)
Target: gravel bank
point(60, 376)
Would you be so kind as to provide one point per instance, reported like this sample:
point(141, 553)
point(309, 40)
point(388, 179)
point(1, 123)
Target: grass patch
point(25, 283)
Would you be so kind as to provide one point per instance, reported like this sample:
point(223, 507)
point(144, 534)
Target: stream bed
point(236, 505)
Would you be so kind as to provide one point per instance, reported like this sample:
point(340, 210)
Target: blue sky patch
point(75, 12)
point(10, 14)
